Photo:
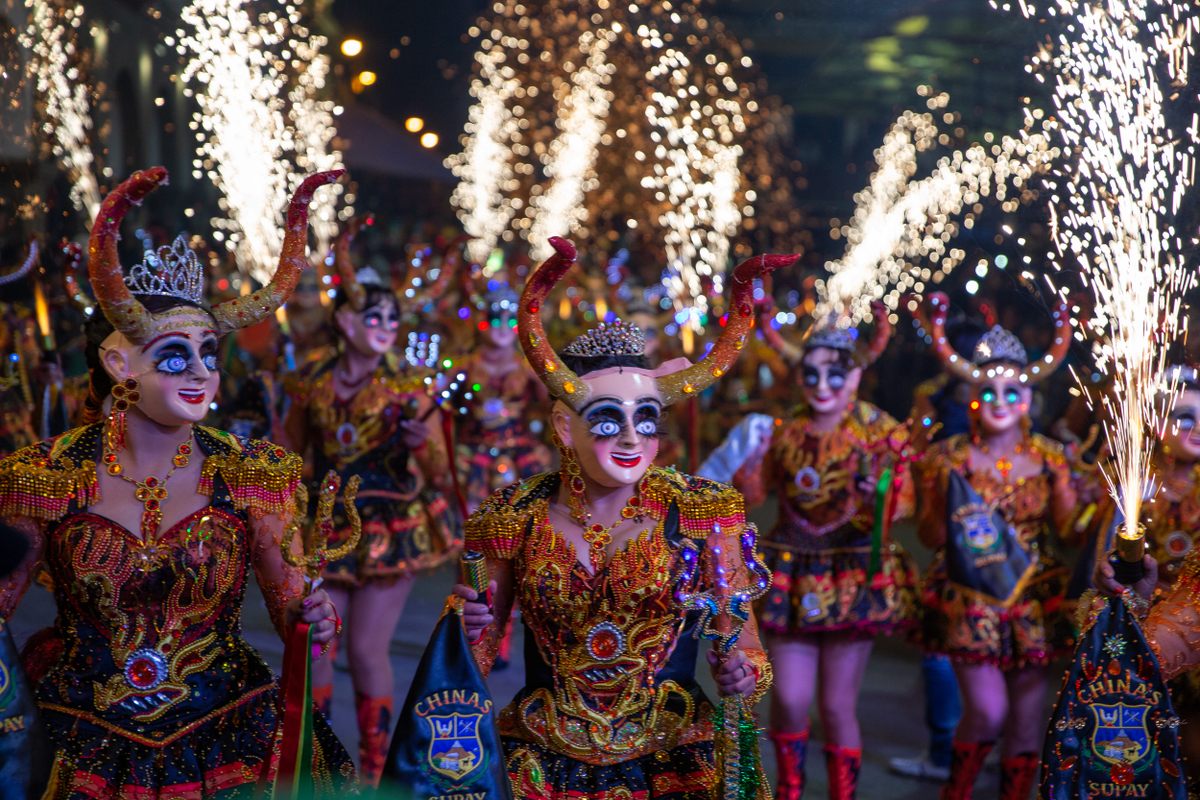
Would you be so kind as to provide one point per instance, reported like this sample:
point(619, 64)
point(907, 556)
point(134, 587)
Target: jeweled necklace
point(1004, 464)
point(599, 537)
point(151, 492)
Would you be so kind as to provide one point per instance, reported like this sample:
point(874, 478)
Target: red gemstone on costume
point(143, 673)
point(152, 481)
point(1121, 774)
point(535, 308)
point(597, 528)
point(605, 645)
point(185, 449)
point(151, 505)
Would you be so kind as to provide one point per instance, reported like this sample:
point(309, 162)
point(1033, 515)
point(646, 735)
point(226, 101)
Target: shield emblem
point(978, 529)
point(455, 750)
point(1120, 735)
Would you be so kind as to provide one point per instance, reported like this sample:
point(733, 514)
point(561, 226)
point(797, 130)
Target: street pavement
point(890, 707)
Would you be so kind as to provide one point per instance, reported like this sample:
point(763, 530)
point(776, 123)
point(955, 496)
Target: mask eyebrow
point(160, 337)
point(598, 400)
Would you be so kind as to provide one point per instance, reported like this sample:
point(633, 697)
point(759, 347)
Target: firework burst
point(1117, 197)
point(899, 237)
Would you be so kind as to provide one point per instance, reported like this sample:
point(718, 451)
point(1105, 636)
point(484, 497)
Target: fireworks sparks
point(662, 149)
point(697, 171)
point(898, 239)
point(571, 157)
point(1119, 200)
point(246, 145)
point(52, 38)
point(484, 168)
point(312, 119)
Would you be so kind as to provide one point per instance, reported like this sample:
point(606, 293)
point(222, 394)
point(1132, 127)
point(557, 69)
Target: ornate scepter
point(294, 776)
point(315, 551)
point(723, 613)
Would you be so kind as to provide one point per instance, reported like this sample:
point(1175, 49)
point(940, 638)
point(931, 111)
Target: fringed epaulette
point(299, 384)
point(703, 503)
point(498, 525)
point(260, 476)
point(1053, 452)
point(41, 481)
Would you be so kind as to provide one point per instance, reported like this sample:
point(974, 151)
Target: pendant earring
point(125, 395)
point(576, 488)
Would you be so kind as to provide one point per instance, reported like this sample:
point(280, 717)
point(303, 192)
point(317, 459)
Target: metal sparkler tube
point(1128, 553)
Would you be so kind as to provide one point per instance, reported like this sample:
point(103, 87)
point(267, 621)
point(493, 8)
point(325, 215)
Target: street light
point(352, 47)
point(367, 77)
point(429, 140)
point(414, 124)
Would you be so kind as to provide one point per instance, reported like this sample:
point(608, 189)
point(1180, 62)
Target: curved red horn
point(880, 337)
point(692, 380)
point(953, 362)
point(563, 384)
point(120, 307)
point(242, 312)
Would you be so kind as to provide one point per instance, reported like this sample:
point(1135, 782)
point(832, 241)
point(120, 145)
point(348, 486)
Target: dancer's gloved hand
point(734, 675)
point(1106, 582)
point(318, 611)
point(413, 432)
point(476, 615)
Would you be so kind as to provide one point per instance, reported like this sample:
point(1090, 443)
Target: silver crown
point(834, 338)
point(999, 345)
point(169, 271)
point(618, 339)
point(367, 276)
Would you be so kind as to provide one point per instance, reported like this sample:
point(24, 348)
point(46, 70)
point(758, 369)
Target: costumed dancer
point(18, 346)
point(992, 502)
point(361, 415)
point(144, 683)
point(605, 557)
point(496, 440)
point(837, 578)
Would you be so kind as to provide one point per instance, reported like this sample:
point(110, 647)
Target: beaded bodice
point(147, 642)
point(816, 475)
point(1028, 504)
point(360, 435)
point(1172, 521)
point(611, 656)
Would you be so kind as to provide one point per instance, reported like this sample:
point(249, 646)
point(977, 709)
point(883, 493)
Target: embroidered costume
point(1034, 628)
point(144, 682)
point(611, 707)
point(611, 701)
point(495, 443)
point(407, 524)
point(819, 551)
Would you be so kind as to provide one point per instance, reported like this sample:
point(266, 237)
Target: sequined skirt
point(685, 772)
point(1033, 630)
point(399, 537)
point(230, 755)
point(824, 587)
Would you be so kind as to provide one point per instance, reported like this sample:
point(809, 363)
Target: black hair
point(583, 365)
point(98, 328)
point(844, 358)
point(375, 294)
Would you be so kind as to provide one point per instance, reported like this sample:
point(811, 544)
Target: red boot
point(968, 761)
point(842, 765)
point(790, 749)
point(323, 699)
point(374, 722)
point(1017, 775)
